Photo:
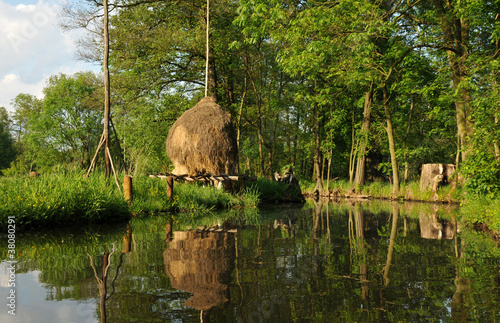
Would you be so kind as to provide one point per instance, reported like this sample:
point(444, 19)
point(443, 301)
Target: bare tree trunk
point(365, 128)
point(106, 90)
point(495, 143)
point(390, 137)
point(354, 151)
point(406, 137)
point(317, 151)
point(456, 37)
point(261, 144)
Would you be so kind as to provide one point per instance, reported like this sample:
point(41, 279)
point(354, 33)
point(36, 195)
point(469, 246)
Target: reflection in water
point(106, 263)
point(343, 262)
point(201, 262)
point(433, 228)
point(392, 240)
point(103, 289)
point(357, 243)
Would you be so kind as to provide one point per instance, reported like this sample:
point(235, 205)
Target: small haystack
point(203, 141)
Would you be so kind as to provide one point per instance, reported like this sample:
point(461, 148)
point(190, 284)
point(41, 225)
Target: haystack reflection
point(201, 262)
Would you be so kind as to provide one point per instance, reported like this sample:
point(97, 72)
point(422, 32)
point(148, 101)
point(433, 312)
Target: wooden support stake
point(127, 188)
point(170, 187)
point(127, 239)
point(241, 179)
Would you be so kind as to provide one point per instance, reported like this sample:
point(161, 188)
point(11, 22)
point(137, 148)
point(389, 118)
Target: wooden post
point(241, 179)
point(127, 240)
point(170, 187)
point(127, 188)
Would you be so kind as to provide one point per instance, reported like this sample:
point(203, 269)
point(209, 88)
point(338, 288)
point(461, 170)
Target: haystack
point(203, 141)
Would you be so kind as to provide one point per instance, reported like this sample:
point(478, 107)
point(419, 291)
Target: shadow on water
point(337, 261)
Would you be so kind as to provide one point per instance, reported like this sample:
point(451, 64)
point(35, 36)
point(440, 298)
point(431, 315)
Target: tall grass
point(69, 198)
point(150, 197)
point(60, 199)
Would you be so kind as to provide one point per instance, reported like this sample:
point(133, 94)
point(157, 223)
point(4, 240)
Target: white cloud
point(32, 48)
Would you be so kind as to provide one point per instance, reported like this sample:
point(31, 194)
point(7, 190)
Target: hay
point(203, 141)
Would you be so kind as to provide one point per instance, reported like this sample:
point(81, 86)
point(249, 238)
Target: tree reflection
point(392, 240)
point(106, 263)
point(357, 241)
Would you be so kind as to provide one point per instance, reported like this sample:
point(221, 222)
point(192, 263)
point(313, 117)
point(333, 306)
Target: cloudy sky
point(32, 48)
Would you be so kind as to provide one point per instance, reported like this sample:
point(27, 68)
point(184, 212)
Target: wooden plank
point(206, 178)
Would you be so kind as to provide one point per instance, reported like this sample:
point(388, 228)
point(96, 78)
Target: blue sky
point(32, 48)
point(16, 2)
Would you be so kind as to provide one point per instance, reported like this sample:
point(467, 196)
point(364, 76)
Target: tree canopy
point(364, 90)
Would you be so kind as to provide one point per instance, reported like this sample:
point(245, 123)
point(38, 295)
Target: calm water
point(322, 262)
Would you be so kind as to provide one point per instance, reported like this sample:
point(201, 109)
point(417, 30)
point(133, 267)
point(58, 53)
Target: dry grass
point(203, 141)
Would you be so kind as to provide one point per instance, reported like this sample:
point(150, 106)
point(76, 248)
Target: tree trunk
point(392, 240)
point(317, 151)
point(210, 71)
point(390, 137)
point(456, 39)
point(405, 153)
point(365, 128)
point(106, 90)
point(354, 151)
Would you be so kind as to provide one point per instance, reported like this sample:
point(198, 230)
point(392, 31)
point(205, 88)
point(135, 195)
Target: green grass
point(69, 198)
point(482, 210)
point(383, 190)
point(150, 197)
point(59, 199)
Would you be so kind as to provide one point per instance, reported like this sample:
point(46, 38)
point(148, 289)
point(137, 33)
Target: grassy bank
point(381, 190)
point(55, 200)
point(475, 211)
point(62, 199)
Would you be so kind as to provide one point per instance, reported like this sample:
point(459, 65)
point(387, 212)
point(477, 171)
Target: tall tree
point(7, 151)
point(63, 127)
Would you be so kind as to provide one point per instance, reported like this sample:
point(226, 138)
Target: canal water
point(321, 262)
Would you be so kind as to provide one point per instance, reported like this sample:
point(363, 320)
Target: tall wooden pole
point(207, 49)
point(106, 90)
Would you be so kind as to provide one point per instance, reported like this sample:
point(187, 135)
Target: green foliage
point(7, 150)
point(294, 75)
point(63, 128)
point(482, 171)
point(482, 211)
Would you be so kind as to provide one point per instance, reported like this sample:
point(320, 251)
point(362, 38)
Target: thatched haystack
point(203, 141)
point(201, 263)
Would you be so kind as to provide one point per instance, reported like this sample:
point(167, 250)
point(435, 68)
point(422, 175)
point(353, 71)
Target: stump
point(435, 175)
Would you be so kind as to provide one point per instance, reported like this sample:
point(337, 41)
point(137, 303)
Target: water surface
point(337, 262)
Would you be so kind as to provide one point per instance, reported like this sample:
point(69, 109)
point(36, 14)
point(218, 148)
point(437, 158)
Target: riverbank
point(56, 200)
point(476, 211)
